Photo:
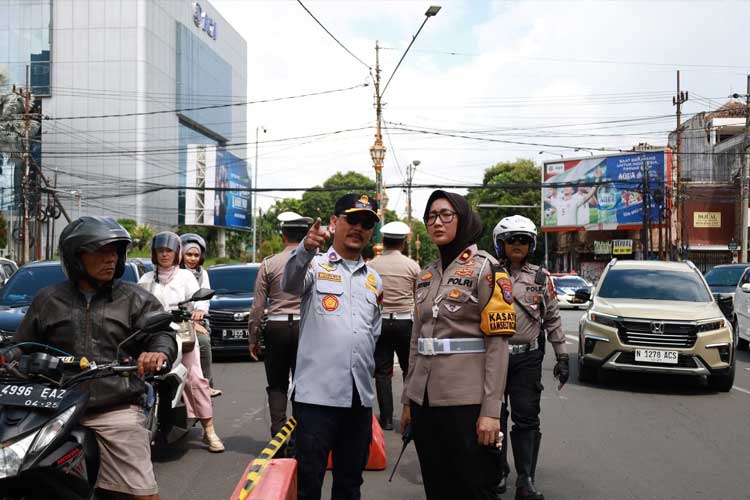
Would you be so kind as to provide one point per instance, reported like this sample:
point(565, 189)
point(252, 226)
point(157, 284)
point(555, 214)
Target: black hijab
point(469, 226)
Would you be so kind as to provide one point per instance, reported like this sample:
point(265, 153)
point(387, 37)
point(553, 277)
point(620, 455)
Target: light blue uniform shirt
point(339, 325)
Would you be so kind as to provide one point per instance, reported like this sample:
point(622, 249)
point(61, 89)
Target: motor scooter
point(44, 450)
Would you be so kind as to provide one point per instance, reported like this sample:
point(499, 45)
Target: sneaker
point(214, 443)
point(215, 392)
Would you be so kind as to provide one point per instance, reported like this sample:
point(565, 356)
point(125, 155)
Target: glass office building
point(119, 82)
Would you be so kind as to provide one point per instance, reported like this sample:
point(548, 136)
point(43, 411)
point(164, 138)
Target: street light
point(551, 153)
point(255, 195)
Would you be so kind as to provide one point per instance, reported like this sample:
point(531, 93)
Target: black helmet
point(196, 239)
point(166, 239)
point(90, 234)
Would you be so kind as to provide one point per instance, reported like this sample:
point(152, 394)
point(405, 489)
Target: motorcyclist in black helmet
point(193, 257)
point(89, 315)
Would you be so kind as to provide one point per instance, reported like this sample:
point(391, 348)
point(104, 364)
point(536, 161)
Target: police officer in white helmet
point(399, 274)
point(536, 312)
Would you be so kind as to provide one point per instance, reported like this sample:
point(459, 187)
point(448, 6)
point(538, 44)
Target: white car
point(566, 286)
point(742, 310)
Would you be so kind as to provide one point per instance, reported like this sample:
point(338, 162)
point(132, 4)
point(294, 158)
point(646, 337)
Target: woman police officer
point(458, 356)
point(537, 310)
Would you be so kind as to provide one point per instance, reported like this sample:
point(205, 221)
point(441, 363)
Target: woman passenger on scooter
point(193, 256)
point(172, 285)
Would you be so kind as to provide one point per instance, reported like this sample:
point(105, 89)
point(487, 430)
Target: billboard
point(603, 193)
point(219, 188)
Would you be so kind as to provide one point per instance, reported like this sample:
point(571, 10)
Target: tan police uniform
point(282, 327)
point(399, 275)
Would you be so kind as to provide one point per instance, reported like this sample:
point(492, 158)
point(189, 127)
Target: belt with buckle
point(400, 316)
point(283, 317)
point(432, 347)
point(522, 348)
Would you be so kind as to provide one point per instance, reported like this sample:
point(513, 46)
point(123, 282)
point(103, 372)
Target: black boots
point(385, 402)
point(525, 453)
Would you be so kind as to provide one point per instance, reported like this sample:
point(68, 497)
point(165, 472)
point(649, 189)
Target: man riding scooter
point(88, 316)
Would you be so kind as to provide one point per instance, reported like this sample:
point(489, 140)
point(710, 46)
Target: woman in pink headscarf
point(172, 285)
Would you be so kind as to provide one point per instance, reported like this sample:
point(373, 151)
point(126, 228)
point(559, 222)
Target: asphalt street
point(631, 436)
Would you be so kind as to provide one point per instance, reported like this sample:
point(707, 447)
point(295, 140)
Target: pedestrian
point(339, 325)
point(458, 356)
point(172, 285)
point(536, 312)
point(399, 274)
point(282, 327)
point(193, 257)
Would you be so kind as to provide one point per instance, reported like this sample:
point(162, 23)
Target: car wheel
point(724, 382)
point(742, 344)
point(587, 373)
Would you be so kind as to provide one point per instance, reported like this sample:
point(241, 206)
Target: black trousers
point(281, 339)
point(395, 336)
point(523, 391)
point(454, 465)
point(346, 432)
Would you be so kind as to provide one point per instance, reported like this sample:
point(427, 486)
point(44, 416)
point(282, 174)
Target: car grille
point(224, 320)
point(657, 333)
point(628, 358)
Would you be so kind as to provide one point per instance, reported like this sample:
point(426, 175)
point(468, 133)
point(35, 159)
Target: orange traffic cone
point(376, 459)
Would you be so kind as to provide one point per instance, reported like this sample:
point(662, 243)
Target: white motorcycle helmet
point(513, 226)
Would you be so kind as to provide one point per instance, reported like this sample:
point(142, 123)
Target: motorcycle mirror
point(155, 321)
point(201, 294)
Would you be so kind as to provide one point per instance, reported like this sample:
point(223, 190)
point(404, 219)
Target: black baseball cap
point(352, 203)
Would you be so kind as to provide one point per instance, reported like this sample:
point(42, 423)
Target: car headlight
point(50, 431)
point(603, 319)
point(12, 455)
point(711, 325)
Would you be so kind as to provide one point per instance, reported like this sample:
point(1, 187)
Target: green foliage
point(321, 203)
point(428, 251)
point(142, 235)
point(521, 171)
point(128, 224)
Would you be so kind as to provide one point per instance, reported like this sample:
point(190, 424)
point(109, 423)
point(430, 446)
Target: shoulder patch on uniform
point(330, 303)
point(498, 317)
point(464, 256)
point(426, 276)
point(327, 267)
point(372, 280)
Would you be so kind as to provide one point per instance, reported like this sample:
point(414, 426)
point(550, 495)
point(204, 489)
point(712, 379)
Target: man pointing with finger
point(340, 321)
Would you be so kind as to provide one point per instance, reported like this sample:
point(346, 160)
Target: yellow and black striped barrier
point(259, 464)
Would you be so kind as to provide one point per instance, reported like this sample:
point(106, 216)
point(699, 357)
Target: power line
point(215, 106)
point(334, 38)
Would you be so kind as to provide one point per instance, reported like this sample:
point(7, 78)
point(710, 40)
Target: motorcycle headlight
point(12, 455)
point(51, 430)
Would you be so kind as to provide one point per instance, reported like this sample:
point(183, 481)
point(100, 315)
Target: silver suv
point(659, 317)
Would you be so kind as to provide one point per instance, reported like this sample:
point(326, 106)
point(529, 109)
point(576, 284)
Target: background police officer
point(536, 311)
point(339, 326)
point(399, 274)
point(282, 328)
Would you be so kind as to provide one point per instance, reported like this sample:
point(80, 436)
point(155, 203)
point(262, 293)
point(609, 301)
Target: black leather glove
point(562, 369)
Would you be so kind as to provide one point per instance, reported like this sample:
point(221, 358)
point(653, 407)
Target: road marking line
point(572, 338)
point(740, 389)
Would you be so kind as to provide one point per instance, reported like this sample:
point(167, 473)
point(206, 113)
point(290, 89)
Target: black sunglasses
point(363, 219)
point(519, 238)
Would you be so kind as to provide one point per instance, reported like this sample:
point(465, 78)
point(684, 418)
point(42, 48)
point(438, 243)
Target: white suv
point(657, 317)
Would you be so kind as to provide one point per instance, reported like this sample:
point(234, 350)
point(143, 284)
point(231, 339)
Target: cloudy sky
point(582, 75)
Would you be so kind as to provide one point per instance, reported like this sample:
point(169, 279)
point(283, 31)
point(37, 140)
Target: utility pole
point(745, 187)
point(255, 209)
point(377, 153)
point(409, 179)
point(27, 125)
point(678, 101)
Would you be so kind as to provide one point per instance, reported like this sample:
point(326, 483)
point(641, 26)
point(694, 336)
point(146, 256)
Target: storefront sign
point(201, 20)
point(622, 247)
point(706, 219)
point(602, 247)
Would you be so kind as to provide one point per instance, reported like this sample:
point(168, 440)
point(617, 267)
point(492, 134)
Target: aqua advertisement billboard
point(604, 192)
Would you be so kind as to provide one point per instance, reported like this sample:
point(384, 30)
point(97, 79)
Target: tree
point(128, 224)
point(521, 171)
point(321, 203)
point(142, 235)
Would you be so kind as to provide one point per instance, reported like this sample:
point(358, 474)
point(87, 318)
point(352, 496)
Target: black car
point(16, 295)
point(724, 278)
point(230, 308)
